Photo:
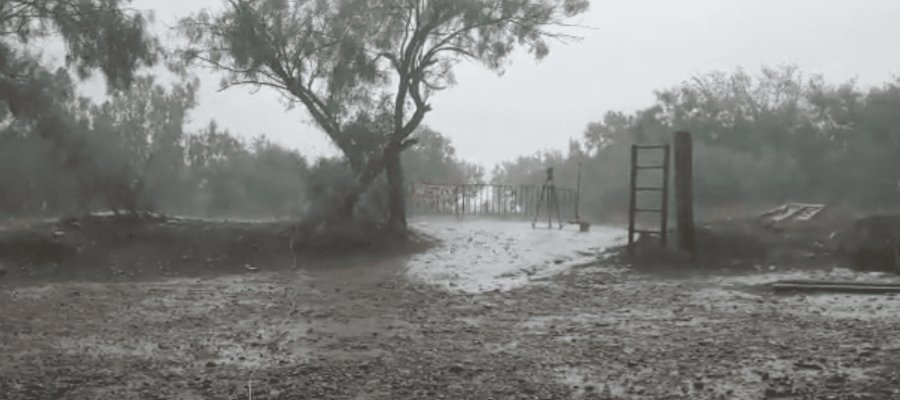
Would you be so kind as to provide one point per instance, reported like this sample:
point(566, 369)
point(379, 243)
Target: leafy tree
point(98, 34)
point(139, 134)
point(527, 170)
point(433, 160)
point(133, 153)
point(229, 177)
point(365, 70)
point(759, 138)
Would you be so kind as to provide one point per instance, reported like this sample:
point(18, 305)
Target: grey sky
point(639, 46)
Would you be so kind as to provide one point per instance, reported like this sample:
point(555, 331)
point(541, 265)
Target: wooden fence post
point(664, 207)
point(684, 191)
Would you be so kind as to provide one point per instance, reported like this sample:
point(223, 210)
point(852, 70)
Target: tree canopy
point(98, 34)
point(365, 70)
point(760, 138)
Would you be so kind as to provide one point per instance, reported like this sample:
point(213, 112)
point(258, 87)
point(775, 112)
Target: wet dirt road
point(403, 329)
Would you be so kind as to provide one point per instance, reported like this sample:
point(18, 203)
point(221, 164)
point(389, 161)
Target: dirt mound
point(100, 248)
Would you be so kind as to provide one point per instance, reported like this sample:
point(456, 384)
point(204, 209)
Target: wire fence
point(486, 199)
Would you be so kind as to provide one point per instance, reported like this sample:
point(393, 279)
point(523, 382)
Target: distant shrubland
point(763, 138)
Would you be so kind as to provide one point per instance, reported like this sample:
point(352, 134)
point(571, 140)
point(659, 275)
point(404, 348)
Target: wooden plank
point(834, 288)
point(833, 283)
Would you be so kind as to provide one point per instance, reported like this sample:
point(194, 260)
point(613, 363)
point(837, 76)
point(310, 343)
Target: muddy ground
point(395, 326)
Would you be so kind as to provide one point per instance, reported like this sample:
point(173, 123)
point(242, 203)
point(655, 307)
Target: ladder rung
point(649, 166)
point(648, 189)
point(651, 210)
point(650, 146)
point(647, 232)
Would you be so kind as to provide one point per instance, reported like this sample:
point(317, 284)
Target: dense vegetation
point(134, 153)
point(366, 71)
point(759, 139)
point(763, 138)
point(61, 154)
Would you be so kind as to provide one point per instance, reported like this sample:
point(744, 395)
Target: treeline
point(134, 153)
point(763, 138)
point(61, 154)
point(759, 139)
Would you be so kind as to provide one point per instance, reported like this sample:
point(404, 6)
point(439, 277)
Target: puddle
point(484, 255)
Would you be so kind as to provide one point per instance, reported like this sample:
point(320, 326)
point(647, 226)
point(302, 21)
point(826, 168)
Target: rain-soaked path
point(498, 311)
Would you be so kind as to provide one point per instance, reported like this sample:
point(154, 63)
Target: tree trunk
point(396, 190)
point(341, 210)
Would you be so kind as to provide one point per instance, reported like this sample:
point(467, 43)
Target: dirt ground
point(411, 325)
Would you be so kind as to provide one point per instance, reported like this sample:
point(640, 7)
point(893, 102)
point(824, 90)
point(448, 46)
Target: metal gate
point(662, 190)
point(484, 199)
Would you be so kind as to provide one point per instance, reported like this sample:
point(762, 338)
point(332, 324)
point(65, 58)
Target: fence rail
point(485, 199)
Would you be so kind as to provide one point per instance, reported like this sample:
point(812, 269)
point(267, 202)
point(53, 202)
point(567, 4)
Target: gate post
point(632, 199)
point(578, 194)
point(684, 191)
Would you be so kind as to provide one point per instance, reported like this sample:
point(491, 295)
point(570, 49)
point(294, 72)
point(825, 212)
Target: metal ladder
point(663, 190)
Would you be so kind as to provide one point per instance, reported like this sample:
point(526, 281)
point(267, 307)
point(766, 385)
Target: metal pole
point(632, 199)
point(456, 200)
point(578, 194)
point(463, 200)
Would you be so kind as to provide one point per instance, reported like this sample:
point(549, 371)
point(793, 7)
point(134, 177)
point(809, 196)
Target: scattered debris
point(791, 212)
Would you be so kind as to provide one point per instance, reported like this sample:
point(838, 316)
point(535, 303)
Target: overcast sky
point(639, 46)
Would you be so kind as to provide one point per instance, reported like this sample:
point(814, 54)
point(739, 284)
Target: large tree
point(98, 35)
point(365, 69)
